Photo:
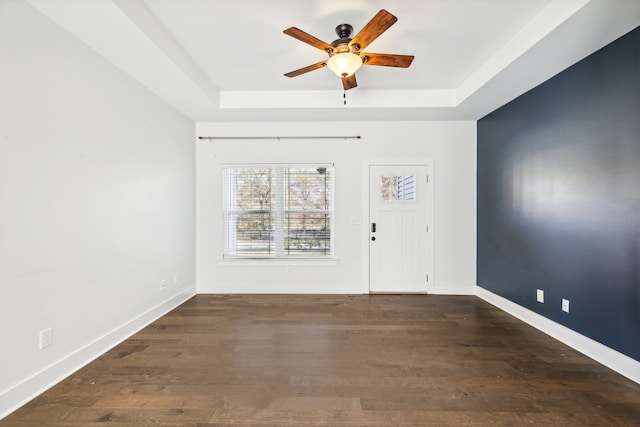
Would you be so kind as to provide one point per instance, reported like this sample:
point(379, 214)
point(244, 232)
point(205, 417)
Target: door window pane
point(398, 188)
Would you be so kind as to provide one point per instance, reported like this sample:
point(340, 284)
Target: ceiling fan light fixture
point(344, 64)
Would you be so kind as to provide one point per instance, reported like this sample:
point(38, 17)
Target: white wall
point(97, 187)
point(449, 147)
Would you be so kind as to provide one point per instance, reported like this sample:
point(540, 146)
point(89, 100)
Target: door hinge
point(427, 179)
point(427, 277)
point(426, 227)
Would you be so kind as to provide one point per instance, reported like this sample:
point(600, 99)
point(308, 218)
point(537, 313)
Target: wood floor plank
point(377, 360)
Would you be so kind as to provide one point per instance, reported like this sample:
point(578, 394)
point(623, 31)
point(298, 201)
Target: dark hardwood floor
point(380, 360)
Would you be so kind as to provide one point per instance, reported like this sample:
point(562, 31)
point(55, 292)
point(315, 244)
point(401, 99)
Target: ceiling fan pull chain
point(344, 97)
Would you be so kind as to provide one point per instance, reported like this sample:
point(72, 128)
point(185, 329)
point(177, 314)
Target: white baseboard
point(16, 396)
point(316, 288)
point(610, 358)
point(451, 289)
point(282, 288)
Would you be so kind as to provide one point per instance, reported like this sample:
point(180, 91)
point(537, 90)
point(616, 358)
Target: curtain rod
point(280, 137)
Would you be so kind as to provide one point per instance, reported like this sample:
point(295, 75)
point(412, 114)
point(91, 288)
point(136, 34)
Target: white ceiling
point(218, 60)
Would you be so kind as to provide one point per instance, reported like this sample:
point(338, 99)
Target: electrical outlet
point(540, 295)
point(176, 279)
point(289, 269)
point(46, 338)
point(163, 285)
point(565, 305)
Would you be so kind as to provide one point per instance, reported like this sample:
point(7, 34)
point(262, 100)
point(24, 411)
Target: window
point(278, 211)
point(394, 188)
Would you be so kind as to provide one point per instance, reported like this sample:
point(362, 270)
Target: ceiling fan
point(345, 53)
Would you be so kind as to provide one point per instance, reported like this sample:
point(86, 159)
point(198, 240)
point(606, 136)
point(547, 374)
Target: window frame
point(279, 211)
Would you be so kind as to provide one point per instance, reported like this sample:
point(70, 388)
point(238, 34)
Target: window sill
point(278, 262)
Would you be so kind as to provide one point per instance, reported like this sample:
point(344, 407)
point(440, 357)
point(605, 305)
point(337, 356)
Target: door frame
point(366, 164)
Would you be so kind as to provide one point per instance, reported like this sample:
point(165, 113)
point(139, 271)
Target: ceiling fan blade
point(378, 25)
point(387, 60)
point(297, 33)
point(306, 69)
point(349, 82)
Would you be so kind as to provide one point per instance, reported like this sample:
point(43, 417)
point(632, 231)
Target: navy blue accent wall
point(559, 197)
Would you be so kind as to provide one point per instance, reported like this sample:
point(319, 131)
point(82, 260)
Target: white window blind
point(278, 211)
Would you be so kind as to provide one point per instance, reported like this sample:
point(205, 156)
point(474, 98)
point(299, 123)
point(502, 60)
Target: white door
point(398, 229)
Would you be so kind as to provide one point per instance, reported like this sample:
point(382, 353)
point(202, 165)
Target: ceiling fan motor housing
point(342, 44)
